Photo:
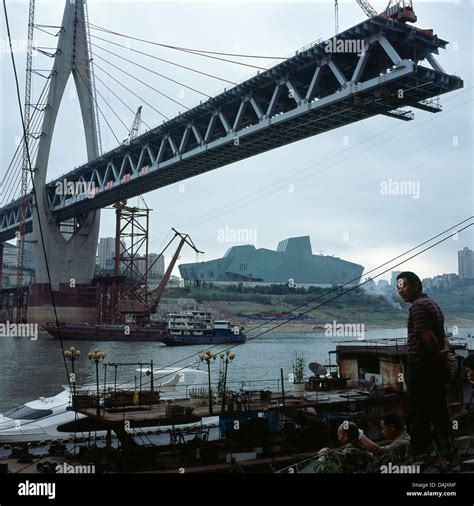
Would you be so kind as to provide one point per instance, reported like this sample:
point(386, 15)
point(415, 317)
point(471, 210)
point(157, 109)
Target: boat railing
point(119, 399)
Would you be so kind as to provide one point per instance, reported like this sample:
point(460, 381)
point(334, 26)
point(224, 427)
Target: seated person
point(469, 368)
point(467, 413)
point(351, 457)
point(392, 429)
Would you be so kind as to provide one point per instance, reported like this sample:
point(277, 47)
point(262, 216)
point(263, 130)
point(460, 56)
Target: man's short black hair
point(394, 420)
point(412, 278)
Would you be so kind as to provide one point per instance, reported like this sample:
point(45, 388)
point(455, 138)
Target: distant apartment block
point(156, 265)
point(466, 263)
point(440, 281)
point(106, 253)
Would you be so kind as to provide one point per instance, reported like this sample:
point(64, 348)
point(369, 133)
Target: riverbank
point(371, 317)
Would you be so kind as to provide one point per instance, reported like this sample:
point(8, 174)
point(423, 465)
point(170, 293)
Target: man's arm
point(431, 342)
point(370, 445)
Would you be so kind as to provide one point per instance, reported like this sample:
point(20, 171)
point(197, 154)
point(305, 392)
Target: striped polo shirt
point(424, 314)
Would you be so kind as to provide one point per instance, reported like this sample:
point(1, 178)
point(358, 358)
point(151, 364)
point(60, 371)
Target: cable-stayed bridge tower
point(70, 260)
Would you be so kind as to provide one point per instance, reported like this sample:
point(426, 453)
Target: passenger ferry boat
point(198, 327)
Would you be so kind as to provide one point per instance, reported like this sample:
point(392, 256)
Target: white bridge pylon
point(72, 258)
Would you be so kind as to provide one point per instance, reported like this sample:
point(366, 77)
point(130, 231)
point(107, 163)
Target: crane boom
point(135, 129)
point(156, 295)
point(367, 8)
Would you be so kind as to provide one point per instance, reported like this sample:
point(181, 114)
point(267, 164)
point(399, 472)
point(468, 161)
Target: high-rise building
point(156, 265)
point(466, 263)
point(155, 269)
point(106, 253)
point(10, 264)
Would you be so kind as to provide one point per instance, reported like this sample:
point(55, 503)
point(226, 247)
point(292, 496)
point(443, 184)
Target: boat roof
point(50, 402)
point(385, 346)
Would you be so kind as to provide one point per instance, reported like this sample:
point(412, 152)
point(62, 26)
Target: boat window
point(26, 413)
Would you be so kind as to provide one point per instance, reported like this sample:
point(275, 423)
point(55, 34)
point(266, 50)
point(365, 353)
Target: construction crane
point(134, 303)
point(26, 161)
point(400, 10)
point(367, 8)
point(135, 129)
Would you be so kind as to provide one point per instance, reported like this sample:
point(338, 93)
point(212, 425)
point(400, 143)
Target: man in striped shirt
point(429, 359)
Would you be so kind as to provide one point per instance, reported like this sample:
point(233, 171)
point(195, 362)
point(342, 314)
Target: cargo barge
point(91, 332)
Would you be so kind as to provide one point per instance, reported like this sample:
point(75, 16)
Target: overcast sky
point(328, 186)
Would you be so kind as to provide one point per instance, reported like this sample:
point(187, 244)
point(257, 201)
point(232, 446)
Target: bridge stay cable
point(121, 100)
point(152, 71)
point(89, 87)
point(34, 119)
point(142, 82)
point(98, 107)
point(12, 186)
point(205, 54)
point(166, 61)
point(132, 92)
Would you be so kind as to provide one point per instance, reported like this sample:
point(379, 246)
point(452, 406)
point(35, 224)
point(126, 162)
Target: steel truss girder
point(310, 93)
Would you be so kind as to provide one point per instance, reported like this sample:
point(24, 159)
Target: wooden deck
point(182, 411)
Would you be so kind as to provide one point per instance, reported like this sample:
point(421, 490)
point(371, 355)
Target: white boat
point(49, 419)
point(38, 420)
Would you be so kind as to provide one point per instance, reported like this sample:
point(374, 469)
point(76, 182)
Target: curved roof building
point(292, 260)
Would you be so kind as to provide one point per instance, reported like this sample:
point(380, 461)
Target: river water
point(31, 369)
